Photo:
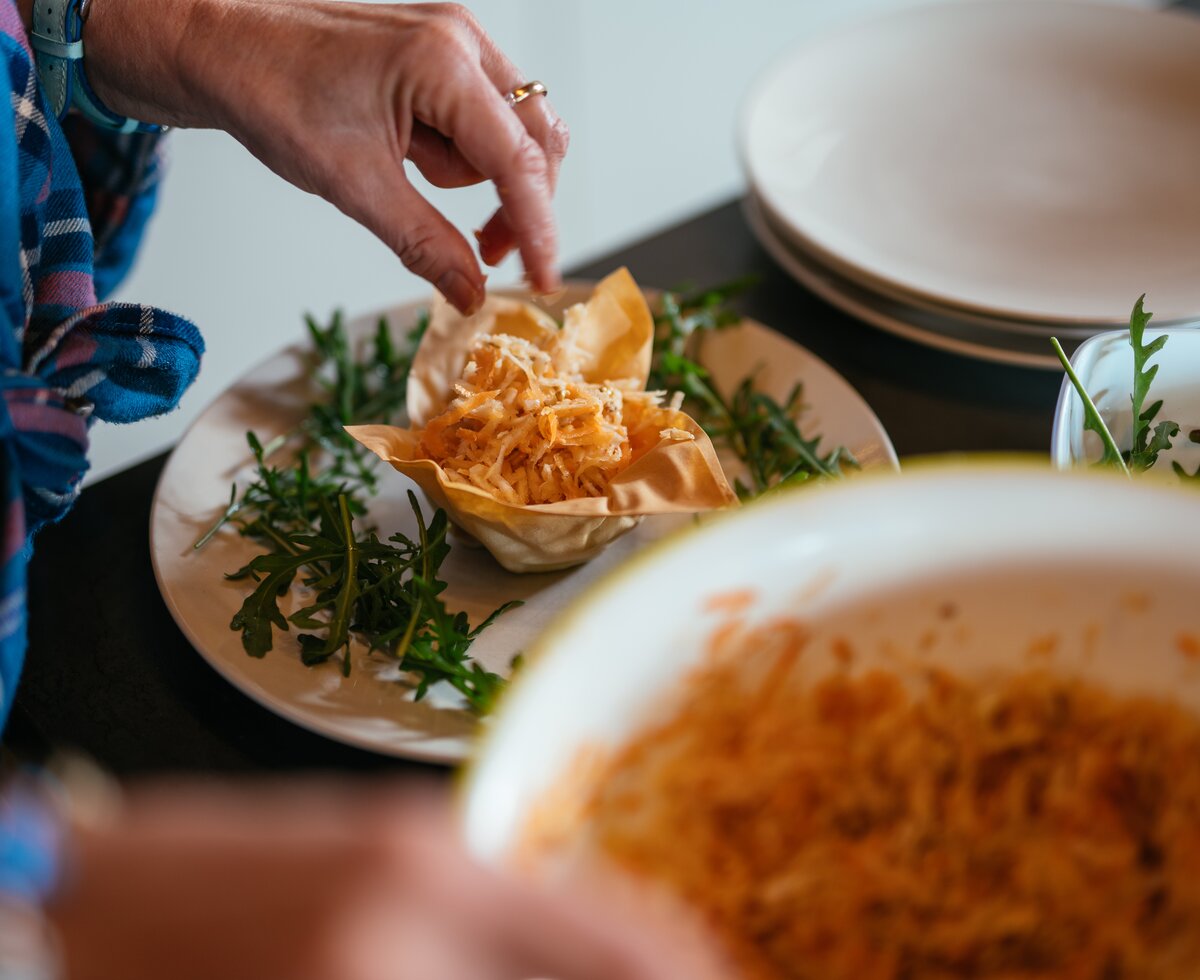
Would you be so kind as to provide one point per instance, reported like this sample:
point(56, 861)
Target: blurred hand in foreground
point(336, 97)
point(324, 881)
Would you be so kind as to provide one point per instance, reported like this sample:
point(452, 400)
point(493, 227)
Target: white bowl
point(1104, 364)
point(971, 566)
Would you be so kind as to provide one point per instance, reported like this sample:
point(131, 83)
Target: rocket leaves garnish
point(1147, 443)
point(387, 593)
point(1149, 438)
point(1092, 420)
point(384, 593)
point(763, 433)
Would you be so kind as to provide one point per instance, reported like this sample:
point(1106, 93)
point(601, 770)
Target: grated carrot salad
point(526, 426)
point(861, 827)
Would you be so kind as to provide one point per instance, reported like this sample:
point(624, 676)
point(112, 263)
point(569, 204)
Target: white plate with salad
point(375, 705)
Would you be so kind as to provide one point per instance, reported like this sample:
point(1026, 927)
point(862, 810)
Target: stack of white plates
point(982, 176)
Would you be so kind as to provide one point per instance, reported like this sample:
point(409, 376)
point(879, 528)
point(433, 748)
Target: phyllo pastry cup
point(541, 441)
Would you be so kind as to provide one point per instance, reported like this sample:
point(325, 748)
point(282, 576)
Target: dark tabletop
point(107, 669)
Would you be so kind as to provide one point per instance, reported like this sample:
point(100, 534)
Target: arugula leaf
point(260, 609)
point(1147, 443)
point(1092, 420)
point(760, 431)
point(1149, 438)
point(1164, 432)
point(385, 594)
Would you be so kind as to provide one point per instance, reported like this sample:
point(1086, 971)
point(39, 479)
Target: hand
point(321, 881)
point(336, 97)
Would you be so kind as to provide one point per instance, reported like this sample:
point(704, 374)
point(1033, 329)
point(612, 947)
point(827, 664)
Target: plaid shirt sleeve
point(73, 204)
point(120, 174)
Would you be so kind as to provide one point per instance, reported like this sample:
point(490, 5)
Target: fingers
point(379, 195)
point(338, 881)
point(468, 107)
point(596, 929)
point(548, 942)
point(444, 166)
point(492, 139)
point(496, 238)
point(519, 928)
point(439, 160)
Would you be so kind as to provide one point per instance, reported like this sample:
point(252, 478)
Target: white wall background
point(649, 88)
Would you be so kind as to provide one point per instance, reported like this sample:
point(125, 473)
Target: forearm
point(224, 64)
point(177, 62)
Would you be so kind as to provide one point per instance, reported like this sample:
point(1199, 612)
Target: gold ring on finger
point(522, 92)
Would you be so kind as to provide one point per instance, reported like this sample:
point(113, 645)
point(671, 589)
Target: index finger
point(495, 142)
point(576, 937)
point(544, 125)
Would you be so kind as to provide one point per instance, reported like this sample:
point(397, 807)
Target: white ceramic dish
point(1020, 553)
point(970, 335)
point(366, 710)
point(1023, 159)
point(1104, 365)
point(949, 318)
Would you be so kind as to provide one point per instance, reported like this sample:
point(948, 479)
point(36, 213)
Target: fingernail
point(461, 293)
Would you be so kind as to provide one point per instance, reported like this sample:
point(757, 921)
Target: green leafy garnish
point(760, 431)
point(354, 391)
point(1147, 443)
point(1149, 438)
point(1092, 421)
point(387, 594)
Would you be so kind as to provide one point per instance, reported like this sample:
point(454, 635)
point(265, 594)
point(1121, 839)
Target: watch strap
point(57, 52)
point(87, 102)
point(57, 41)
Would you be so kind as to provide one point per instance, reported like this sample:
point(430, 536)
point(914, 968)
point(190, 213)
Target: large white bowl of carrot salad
point(939, 724)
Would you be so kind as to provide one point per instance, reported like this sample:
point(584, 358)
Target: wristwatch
point(57, 40)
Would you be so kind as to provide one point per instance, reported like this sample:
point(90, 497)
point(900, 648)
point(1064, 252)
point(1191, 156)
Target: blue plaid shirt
point(73, 204)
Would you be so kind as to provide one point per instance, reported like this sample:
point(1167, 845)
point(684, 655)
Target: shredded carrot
point(526, 426)
point(868, 827)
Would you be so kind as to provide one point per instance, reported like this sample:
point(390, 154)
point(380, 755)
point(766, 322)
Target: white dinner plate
point(894, 298)
point(371, 708)
point(1031, 160)
point(954, 334)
